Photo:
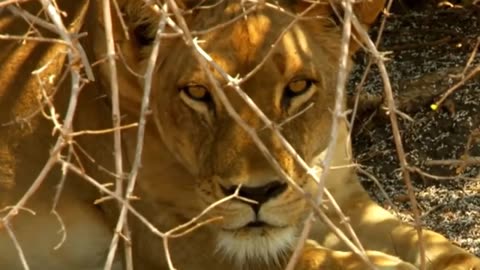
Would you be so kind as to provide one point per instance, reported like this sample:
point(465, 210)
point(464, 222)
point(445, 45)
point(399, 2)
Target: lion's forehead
point(246, 41)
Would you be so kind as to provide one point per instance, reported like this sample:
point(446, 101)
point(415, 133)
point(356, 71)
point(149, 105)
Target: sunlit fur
point(190, 149)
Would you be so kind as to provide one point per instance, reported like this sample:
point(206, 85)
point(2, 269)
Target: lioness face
point(294, 87)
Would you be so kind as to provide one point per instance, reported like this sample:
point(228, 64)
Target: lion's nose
point(259, 194)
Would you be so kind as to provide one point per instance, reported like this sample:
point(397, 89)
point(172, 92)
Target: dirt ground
point(429, 52)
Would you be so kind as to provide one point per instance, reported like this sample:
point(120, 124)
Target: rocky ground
point(429, 53)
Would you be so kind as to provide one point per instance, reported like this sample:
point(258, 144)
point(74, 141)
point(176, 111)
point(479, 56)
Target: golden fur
point(195, 153)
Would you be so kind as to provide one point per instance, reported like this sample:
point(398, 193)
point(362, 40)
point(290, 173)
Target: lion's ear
point(365, 10)
point(368, 10)
point(187, 4)
point(133, 31)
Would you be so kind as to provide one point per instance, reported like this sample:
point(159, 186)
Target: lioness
point(195, 153)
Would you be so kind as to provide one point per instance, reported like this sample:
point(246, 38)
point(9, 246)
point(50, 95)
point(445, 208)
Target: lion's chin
point(266, 244)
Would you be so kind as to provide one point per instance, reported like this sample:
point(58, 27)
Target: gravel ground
point(429, 50)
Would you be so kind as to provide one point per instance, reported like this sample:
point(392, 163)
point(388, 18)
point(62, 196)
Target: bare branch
point(396, 135)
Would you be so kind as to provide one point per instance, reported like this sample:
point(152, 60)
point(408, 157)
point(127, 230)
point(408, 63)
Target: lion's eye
point(298, 87)
point(196, 92)
point(296, 93)
point(198, 98)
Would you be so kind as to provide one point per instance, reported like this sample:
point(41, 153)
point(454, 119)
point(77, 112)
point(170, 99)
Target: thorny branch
point(74, 54)
point(66, 133)
point(65, 130)
point(117, 139)
point(396, 135)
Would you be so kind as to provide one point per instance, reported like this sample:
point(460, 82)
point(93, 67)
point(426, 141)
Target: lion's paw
point(315, 257)
point(381, 260)
point(461, 261)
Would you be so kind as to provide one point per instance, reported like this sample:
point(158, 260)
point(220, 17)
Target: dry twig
point(396, 135)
